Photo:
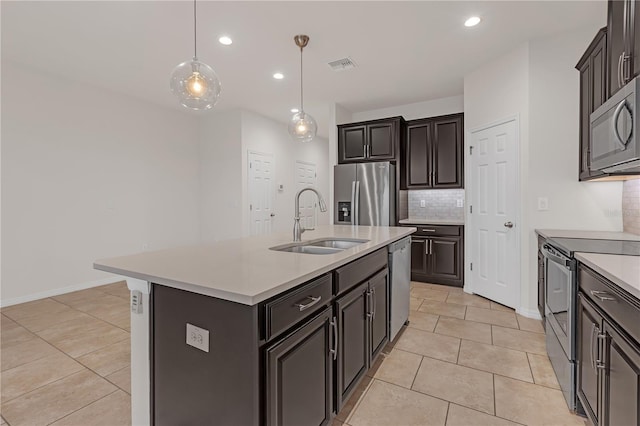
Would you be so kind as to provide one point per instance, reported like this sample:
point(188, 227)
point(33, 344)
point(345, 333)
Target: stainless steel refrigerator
point(365, 194)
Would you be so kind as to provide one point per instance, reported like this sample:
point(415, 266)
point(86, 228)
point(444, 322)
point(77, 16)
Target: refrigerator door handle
point(356, 208)
point(353, 202)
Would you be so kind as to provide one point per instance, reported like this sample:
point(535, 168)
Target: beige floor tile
point(498, 307)
point(78, 298)
point(531, 404)
point(463, 416)
point(399, 368)
point(33, 375)
point(495, 359)
point(119, 289)
point(78, 338)
point(439, 287)
point(542, 370)
point(25, 352)
point(455, 383)
point(14, 334)
point(2, 421)
point(414, 303)
point(387, 404)
point(108, 359)
point(469, 300)
point(50, 319)
point(422, 320)
point(122, 379)
point(113, 409)
point(57, 399)
point(429, 344)
point(464, 329)
point(488, 316)
point(519, 340)
point(105, 303)
point(442, 308)
point(530, 324)
point(33, 309)
point(429, 294)
point(354, 400)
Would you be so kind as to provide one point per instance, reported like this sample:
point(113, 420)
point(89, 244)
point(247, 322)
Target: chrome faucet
point(297, 229)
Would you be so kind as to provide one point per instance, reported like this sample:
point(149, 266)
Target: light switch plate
point(423, 203)
point(198, 337)
point(543, 203)
point(460, 202)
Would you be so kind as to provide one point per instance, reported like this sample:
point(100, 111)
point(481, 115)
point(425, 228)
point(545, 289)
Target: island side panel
point(191, 386)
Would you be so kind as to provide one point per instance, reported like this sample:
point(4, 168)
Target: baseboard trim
point(529, 313)
point(58, 291)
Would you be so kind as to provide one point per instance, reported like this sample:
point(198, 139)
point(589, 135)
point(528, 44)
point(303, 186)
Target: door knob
point(272, 214)
point(508, 224)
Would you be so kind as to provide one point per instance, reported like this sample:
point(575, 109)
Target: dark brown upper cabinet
point(433, 153)
point(377, 140)
point(623, 42)
point(593, 92)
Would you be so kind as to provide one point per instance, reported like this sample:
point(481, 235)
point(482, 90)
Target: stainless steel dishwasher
point(400, 266)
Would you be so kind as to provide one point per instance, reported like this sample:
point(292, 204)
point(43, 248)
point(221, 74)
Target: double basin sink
point(320, 246)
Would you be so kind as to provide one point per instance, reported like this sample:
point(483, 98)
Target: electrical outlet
point(423, 203)
point(198, 337)
point(460, 202)
point(543, 203)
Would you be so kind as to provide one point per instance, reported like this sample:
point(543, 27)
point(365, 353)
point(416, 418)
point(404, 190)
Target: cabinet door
point(351, 143)
point(418, 256)
point(589, 324)
point(445, 255)
point(299, 375)
point(447, 155)
point(351, 315)
point(418, 155)
point(378, 313)
point(381, 139)
point(635, 39)
point(615, 41)
point(621, 387)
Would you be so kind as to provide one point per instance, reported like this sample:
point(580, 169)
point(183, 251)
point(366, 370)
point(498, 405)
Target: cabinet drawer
point(437, 230)
point(611, 300)
point(284, 312)
point(357, 271)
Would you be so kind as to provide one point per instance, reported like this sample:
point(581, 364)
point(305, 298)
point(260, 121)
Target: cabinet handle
point(593, 339)
point(601, 363)
point(369, 303)
point(373, 294)
point(334, 340)
point(619, 70)
point(430, 246)
point(602, 295)
point(314, 300)
point(428, 230)
point(426, 247)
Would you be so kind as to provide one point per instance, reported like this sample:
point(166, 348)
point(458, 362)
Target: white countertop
point(595, 235)
point(624, 271)
point(411, 221)
point(245, 270)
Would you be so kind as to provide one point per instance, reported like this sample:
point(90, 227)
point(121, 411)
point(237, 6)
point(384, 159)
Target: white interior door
point(260, 180)
point(495, 251)
point(306, 177)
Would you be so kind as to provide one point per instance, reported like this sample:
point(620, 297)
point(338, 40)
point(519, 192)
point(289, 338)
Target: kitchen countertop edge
point(603, 264)
point(587, 234)
point(431, 222)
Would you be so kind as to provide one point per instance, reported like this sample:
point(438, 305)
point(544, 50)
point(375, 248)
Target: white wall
point(261, 134)
point(537, 81)
point(88, 174)
point(431, 108)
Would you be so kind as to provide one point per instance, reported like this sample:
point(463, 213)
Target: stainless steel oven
point(560, 297)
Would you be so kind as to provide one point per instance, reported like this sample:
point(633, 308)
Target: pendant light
point(194, 83)
point(302, 126)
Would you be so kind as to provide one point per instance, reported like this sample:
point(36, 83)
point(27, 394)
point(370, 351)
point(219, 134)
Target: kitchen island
point(236, 333)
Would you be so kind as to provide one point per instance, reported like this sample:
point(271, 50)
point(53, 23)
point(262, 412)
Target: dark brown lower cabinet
point(589, 323)
point(437, 260)
point(299, 375)
point(379, 313)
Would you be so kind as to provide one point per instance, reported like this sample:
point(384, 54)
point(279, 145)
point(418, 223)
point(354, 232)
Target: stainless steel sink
point(320, 246)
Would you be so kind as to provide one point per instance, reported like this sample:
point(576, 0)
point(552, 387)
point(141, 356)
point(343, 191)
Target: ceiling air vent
point(342, 64)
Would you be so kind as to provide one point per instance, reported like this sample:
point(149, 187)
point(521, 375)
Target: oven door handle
point(554, 258)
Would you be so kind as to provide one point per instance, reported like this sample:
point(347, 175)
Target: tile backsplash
point(438, 204)
point(631, 206)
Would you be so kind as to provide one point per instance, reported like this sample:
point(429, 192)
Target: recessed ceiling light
point(278, 76)
point(225, 40)
point(294, 110)
point(472, 22)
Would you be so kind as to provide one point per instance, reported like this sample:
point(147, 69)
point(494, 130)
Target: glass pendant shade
point(302, 127)
point(195, 84)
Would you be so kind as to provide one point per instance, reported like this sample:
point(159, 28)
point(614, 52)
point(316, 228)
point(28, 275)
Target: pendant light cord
point(301, 108)
point(195, 38)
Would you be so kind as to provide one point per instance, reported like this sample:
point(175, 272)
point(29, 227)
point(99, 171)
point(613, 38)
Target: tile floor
point(462, 361)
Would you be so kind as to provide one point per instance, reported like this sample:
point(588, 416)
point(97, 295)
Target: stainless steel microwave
point(615, 147)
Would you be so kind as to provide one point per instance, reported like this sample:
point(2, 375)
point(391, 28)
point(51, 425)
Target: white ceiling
point(406, 51)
